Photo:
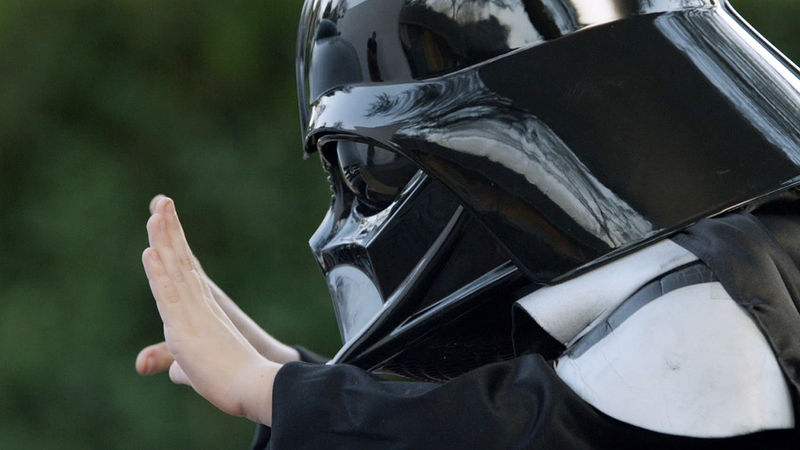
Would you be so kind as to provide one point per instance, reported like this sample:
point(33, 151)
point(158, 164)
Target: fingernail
point(154, 255)
point(161, 225)
point(150, 365)
point(170, 206)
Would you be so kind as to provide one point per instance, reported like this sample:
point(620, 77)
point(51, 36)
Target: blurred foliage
point(104, 104)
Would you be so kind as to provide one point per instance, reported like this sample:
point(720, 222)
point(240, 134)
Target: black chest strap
point(694, 273)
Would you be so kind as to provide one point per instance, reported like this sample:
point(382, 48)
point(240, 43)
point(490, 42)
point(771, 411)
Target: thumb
point(154, 359)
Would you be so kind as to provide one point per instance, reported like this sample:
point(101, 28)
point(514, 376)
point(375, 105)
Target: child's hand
point(157, 358)
point(210, 353)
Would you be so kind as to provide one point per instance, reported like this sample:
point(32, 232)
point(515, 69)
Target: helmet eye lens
point(373, 174)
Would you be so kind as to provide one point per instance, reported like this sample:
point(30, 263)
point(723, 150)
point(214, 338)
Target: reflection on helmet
point(336, 64)
point(479, 149)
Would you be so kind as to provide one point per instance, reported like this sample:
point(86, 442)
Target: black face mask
point(396, 247)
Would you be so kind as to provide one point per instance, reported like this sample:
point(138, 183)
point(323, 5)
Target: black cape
point(522, 403)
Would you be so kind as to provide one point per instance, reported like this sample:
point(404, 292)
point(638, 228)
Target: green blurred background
point(104, 104)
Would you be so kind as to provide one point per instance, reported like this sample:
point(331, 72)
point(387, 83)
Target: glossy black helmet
point(480, 149)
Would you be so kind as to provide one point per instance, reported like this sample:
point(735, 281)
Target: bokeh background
point(104, 103)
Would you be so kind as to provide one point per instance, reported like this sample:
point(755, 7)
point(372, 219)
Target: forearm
point(264, 343)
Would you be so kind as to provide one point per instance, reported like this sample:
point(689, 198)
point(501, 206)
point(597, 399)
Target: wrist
point(256, 392)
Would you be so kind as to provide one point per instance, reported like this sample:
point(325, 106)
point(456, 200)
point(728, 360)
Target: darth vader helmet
point(480, 149)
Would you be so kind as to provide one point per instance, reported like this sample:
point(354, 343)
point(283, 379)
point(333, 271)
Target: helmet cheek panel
point(356, 299)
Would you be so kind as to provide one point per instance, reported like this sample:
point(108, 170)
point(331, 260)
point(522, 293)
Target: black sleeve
point(263, 432)
point(515, 404)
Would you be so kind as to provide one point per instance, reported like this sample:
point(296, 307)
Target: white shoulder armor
point(689, 363)
point(686, 361)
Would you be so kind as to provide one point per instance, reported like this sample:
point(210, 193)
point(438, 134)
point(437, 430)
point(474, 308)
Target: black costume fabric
point(522, 403)
point(516, 404)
